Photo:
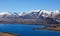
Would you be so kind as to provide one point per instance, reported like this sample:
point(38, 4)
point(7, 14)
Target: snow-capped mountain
point(8, 15)
point(39, 13)
point(3, 13)
point(32, 14)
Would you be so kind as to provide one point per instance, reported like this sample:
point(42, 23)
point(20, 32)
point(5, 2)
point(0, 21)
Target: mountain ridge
point(34, 16)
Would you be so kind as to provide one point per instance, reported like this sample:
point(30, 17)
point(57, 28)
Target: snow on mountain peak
point(33, 13)
point(20, 14)
point(44, 13)
point(3, 13)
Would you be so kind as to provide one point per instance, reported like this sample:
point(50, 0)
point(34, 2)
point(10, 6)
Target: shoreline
point(51, 27)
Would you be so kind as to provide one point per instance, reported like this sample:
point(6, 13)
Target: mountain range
point(33, 16)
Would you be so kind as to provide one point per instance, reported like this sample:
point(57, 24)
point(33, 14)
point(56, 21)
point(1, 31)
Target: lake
point(26, 30)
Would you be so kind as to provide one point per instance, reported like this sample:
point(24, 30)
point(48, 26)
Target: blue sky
point(26, 5)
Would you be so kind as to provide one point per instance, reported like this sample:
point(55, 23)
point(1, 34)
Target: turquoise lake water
point(26, 30)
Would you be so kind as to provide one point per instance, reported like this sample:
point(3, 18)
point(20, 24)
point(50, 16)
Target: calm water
point(26, 30)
